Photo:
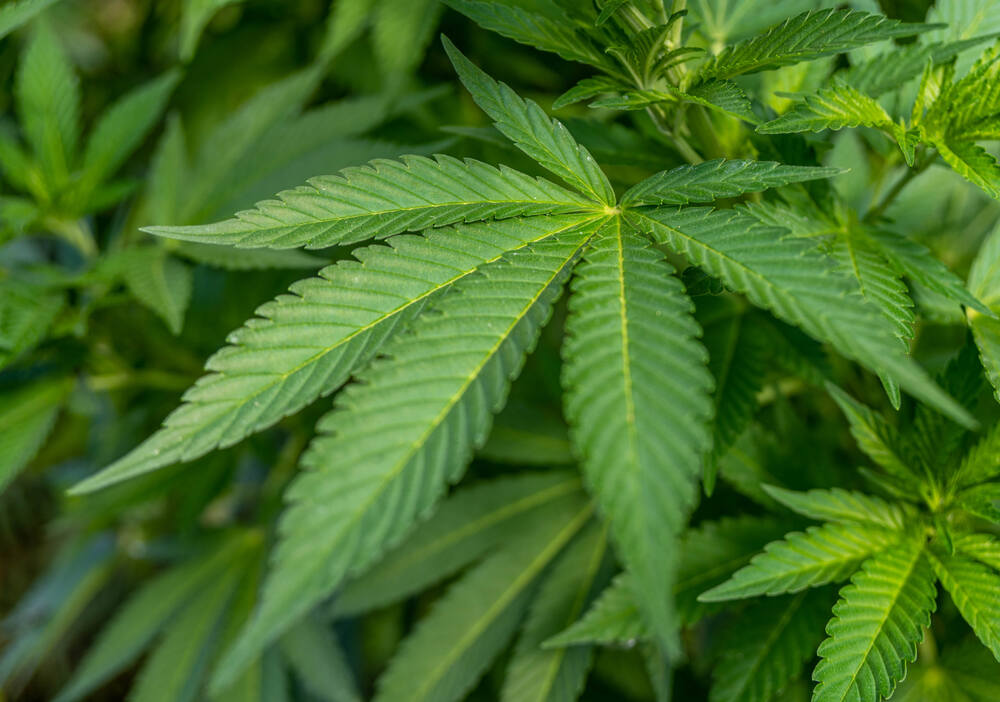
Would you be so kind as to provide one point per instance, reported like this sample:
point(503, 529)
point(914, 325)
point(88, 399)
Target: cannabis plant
point(584, 373)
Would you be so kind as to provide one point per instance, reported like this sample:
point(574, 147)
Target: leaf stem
point(685, 149)
point(879, 209)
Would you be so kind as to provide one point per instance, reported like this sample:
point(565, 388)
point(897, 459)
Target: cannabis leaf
point(433, 328)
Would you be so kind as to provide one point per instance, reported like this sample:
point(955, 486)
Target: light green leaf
point(972, 162)
point(413, 19)
point(637, 399)
point(975, 590)
point(985, 548)
point(544, 139)
point(383, 199)
point(468, 627)
point(17, 13)
point(723, 96)
point(306, 344)
point(26, 314)
point(612, 619)
point(231, 259)
point(712, 180)
point(544, 32)
point(221, 159)
point(984, 283)
point(558, 675)
point(831, 108)
point(466, 527)
point(818, 556)
point(195, 15)
point(916, 262)
point(158, 281)
point(880, 441)
point(405, 431)
point(122, 128)
point(48, 102)
point(877, 624)
point(805, 37)
point(838, 505)
point(791, 278)
point(27, 415)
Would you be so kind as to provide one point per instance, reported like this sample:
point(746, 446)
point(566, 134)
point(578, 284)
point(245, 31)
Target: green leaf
point(768, 646)
point(544, 139)
point(877, 624)
point(558, 675)
point(305, 345)
point(881, 285)
point(228, 258)
point(838, 505)
point(818, 556)
point(979, 464)
point(891, 70)
point(27, 416)
point(791, 278)
point(879, 441)
point(723, 96)
point(150, 610)
point(543, 32)
point(806, 37)
point(26, 314)
point(712, 180)
point(475, 619)
point(392, 19)
point(48, 102)
point(587, 89)
point(467, 526)
point(313, 652)
point(17, 13)
point(159, 281)
point(405, 430)
point(965, 104)
point(985, 548)
point(972, 162)
point(178, 666)
point(709, 554)
point(637, 399)
point(347, 20)
point(984, 283)
point(382, 199)
point(221, 160)
point(831, 108)
point(982, 500)
point(612, 619)
point(738, 353)
point(916, 262)
point(122, 128)
point(195, 15)
point(975, 591)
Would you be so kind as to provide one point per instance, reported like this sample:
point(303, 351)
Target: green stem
point(890, 197)
point(657, 114)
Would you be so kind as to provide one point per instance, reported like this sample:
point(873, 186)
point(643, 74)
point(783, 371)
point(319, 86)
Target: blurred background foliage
point(221, 103)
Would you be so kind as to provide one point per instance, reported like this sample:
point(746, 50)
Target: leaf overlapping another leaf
point(305, 345)
point(805, 37)
point(820, 555)
point(794, 280)
point(405, 431)
point(637, 398)
point(381, 199)
point(878, 622)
